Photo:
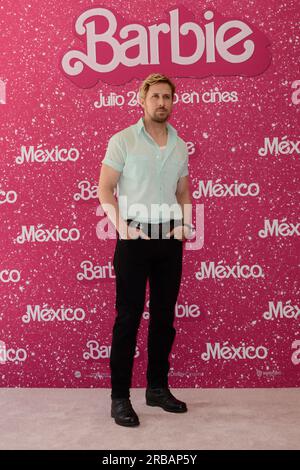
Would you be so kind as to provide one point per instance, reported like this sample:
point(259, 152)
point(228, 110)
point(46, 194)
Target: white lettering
point(216, 351)
point(222, 190)
point(36, 313)
point(43, 156)
point(33, 234)
point(245, 271)
point(285, 147)
point(278, 229)
point(208, 42)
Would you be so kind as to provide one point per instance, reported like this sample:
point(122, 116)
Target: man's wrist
point(189, 230)
point(190, 226)
point(123, 229)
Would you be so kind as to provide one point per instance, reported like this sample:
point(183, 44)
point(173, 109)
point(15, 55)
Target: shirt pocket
point(138, 166)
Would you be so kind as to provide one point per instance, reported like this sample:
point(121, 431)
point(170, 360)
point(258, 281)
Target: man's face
point(158, 102)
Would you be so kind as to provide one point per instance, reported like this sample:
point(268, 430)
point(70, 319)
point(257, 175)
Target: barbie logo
point(184, 43)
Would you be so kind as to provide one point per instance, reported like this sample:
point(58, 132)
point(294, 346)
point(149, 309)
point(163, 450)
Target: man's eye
point(166, 96)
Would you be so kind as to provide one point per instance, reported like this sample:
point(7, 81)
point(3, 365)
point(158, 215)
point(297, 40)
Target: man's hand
point(181, 232)
point(133, 233)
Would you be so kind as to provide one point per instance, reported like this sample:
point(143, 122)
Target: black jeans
point(135, 261)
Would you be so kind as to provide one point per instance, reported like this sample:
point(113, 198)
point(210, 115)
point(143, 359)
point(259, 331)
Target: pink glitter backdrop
point(225, 335)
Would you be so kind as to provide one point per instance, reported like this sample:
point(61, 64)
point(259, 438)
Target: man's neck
point(156, 129)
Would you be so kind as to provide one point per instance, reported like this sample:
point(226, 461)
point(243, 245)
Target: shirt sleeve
point(184, 171)
point(114, 155)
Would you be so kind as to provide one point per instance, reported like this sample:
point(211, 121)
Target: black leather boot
point(122, 411)
point(163, 397)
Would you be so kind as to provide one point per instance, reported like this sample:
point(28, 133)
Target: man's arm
point(108, 181)
point(183, 198)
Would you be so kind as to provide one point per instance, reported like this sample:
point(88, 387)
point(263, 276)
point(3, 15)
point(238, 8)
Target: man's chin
point(160, 119)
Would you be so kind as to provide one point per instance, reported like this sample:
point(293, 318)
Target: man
point(149, 163)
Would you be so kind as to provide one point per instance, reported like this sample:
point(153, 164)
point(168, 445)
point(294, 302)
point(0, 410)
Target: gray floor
point(217, 419)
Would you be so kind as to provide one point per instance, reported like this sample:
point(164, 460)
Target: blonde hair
point(151, 80)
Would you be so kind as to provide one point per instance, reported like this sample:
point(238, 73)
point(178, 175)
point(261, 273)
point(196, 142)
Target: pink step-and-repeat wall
point(69, 78)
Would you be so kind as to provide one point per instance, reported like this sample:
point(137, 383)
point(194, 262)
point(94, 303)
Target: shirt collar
point(140, 126)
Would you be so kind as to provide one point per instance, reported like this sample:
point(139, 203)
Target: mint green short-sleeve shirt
point(149, 173)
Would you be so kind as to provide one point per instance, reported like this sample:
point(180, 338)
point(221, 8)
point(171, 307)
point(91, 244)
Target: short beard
point(162, 119)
